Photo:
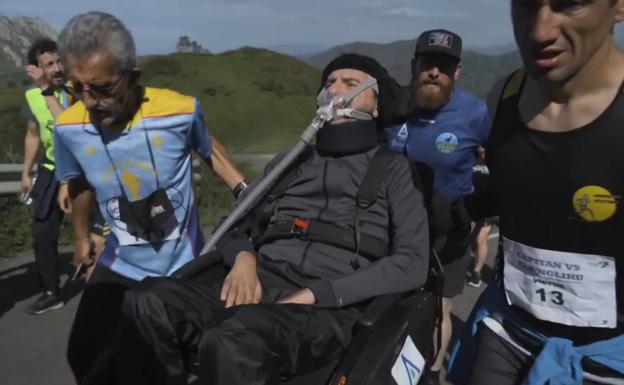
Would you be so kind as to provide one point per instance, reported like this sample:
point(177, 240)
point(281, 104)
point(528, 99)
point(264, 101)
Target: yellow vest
point(45, 119)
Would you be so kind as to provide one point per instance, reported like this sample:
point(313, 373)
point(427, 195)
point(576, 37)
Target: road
point(32, 348)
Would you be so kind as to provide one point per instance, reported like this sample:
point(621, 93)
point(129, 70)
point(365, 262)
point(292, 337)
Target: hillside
point(254, 100)
point(16, 36)
point(12, 125)
point(479, 71)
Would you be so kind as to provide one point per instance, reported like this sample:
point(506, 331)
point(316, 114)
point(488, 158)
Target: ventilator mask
point(340, 102)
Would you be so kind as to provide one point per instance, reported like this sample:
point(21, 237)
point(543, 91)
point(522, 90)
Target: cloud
point(420, 13)
point(407, 11)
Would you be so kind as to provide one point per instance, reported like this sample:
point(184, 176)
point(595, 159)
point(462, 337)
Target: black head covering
point(391, 96)
point(439, 41)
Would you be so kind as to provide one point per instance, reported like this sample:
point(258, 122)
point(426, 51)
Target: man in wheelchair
point(345, 225)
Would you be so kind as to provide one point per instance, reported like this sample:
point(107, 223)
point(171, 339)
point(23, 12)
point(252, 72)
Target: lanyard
point(110, 158)
point(64, 97)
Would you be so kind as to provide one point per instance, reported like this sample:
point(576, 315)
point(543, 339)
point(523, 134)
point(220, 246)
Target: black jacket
point(325, 188)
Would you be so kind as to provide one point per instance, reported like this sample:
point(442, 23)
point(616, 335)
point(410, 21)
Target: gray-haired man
point(133, 145)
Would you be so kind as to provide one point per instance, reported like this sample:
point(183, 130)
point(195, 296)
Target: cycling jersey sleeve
point(198, 137)
point(67, 166)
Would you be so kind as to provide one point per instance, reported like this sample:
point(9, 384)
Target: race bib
point(120, 229)
point(567, 288)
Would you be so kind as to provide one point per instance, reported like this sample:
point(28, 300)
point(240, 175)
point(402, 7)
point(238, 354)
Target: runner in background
point(483, 228)
point(443, 130)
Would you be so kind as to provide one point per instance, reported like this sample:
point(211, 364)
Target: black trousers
point(46, 226)
point(91, 345)
point(500, 363)
point(173, 325)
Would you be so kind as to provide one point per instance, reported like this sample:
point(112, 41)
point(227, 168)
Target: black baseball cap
point(439, 41)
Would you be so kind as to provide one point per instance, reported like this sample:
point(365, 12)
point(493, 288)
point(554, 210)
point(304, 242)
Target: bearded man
point(46, 100)
point(444, 129)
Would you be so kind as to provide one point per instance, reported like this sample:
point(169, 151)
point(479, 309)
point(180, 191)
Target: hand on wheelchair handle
point(242, 286)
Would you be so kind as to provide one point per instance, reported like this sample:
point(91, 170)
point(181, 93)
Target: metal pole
point(323, 115)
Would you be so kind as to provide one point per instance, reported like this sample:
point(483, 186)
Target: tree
point(186, 45)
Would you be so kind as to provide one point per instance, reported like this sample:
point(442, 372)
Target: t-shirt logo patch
point(595, 203)
point(409, 366)
point(403, 132)
point(157, 210)
point(440, 39)
point(447, 142)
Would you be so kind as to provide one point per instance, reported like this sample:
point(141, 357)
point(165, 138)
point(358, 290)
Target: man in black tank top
point(555, 154)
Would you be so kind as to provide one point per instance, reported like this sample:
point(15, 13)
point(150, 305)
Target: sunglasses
point(96, 92)
point(444, 63)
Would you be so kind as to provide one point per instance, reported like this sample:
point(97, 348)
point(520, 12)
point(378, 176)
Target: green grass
point(15, 227)
point(213, 197)
point(254, 101)
point(12, 125)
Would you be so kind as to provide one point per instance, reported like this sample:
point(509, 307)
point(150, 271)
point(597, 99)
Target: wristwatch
point(239, 188)
point(49, 91)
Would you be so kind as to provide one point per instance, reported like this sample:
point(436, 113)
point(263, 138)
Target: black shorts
point(498, 362)
point(453, 248)
point(455, 275)
point(491, 221)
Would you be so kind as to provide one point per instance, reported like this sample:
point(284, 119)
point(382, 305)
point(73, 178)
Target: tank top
point(559, 196)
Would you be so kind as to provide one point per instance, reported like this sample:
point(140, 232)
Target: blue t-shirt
point(446, 140)
point(173, 124)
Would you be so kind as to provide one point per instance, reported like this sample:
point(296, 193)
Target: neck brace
point(347, 138)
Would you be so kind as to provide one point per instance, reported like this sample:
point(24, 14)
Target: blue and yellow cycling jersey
point(168, 124)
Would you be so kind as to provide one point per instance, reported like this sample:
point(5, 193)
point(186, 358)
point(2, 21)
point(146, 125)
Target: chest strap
point(323, 232)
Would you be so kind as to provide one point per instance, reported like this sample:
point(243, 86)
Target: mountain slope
point(16, 36)
point(479, 71)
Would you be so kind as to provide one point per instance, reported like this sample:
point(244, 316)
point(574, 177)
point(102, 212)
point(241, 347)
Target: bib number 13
point(554, 296)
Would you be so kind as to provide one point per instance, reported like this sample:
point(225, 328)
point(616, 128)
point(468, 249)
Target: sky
point(221, 25)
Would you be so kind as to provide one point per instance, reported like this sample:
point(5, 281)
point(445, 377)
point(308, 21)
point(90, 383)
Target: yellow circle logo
point(594, 203)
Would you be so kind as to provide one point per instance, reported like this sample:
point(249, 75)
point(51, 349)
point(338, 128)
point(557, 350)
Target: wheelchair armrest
point(197, 265)
point(377, 308)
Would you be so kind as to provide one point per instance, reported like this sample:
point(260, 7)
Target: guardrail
point(11, 174)
point(10, 179)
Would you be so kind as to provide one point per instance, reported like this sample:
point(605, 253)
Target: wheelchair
point(392, 341)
